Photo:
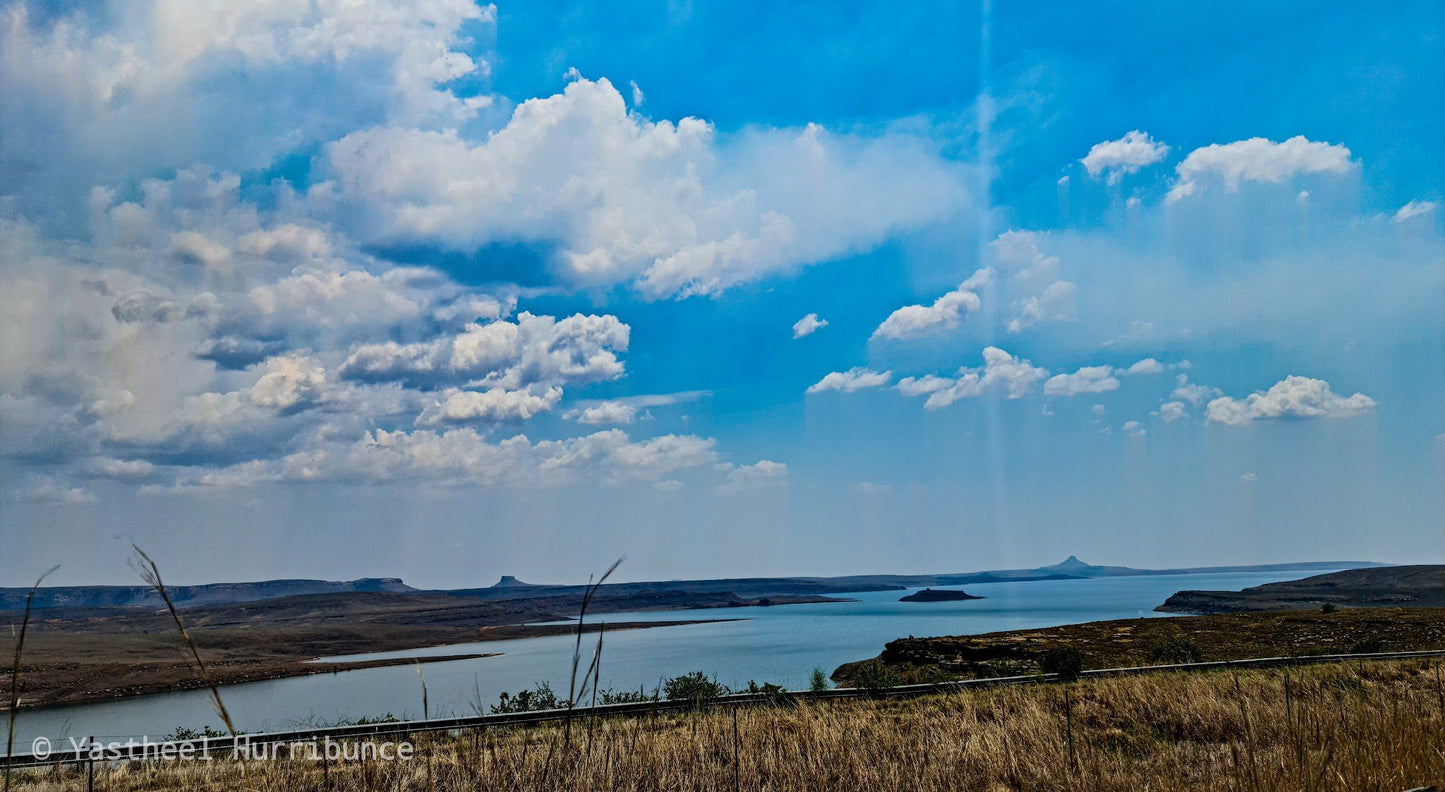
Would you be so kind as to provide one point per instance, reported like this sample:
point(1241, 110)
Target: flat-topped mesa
point(938, 595)
point(507, 581)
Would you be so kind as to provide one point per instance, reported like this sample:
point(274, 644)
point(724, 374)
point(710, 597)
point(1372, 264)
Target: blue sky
point(449, 291)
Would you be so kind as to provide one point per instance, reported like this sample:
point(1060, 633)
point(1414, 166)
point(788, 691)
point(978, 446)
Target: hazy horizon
point(446, 291)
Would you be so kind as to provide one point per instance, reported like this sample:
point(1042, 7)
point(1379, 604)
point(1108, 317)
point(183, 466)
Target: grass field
point(1347, 727)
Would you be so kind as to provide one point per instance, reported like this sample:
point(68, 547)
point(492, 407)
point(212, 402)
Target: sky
point(446, 291)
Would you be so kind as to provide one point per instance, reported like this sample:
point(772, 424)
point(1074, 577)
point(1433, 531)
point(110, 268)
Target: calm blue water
point(779, 644)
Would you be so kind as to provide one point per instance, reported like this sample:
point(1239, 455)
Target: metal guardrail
point(228, 746)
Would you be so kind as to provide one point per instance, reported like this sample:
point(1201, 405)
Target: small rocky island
point(938, 595)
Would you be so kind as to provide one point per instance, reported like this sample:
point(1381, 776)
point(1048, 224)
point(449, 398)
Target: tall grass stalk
point(15, 673)
point(572, 691)
point(426, 716)
point(151, 574)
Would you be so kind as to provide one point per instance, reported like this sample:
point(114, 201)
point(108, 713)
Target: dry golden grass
point(1346, 727)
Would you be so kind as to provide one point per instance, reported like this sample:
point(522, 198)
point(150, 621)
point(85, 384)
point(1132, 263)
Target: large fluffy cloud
point(534, 349)
point(1257, 159)
point(1291, 397)
point(623, 197)
point(117, 90)
point(290, 382)
point(245, 338)
point(495, 404)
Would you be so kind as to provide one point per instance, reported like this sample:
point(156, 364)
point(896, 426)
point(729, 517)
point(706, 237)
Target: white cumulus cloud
point(1256, 159)
point(853, 379)
point(663, 204)
point(1171, 411)
point(492, 405)
point(1054, 304)
point(1193, 393)
point(1129, 154)
point(1145, 366)
point(607, 412)
point(1292, 397)
point(946, 312)
point(1089, 379)
point(808, 325)
point(763, 474)
point(534, 349)
point(1001, 372)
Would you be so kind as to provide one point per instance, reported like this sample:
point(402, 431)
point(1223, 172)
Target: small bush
point(539, 698)
point(776, 694)
point(1328, 607)
point(874, 677)
point(1175, 650)
point(818, 681)
point(1065, 661)
point(637, 696)
point(364, 720)
point(694, 687)
point(183, 733)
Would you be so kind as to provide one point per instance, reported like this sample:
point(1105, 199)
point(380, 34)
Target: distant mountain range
point(511, 588)
point(189, 596)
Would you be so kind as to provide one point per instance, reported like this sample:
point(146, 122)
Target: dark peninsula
point(1380, 587)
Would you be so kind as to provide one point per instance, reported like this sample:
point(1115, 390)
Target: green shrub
point(1175, 650)
point(695, 687)
point(1065, 661)
point(1328, 607)
point(372, 720)
point(818, 681)
point(183, 733)
point(637, 696)
point(539, 698)
point(874, 677)
point(777, 694)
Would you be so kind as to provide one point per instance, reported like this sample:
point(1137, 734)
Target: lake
point(779, 644)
